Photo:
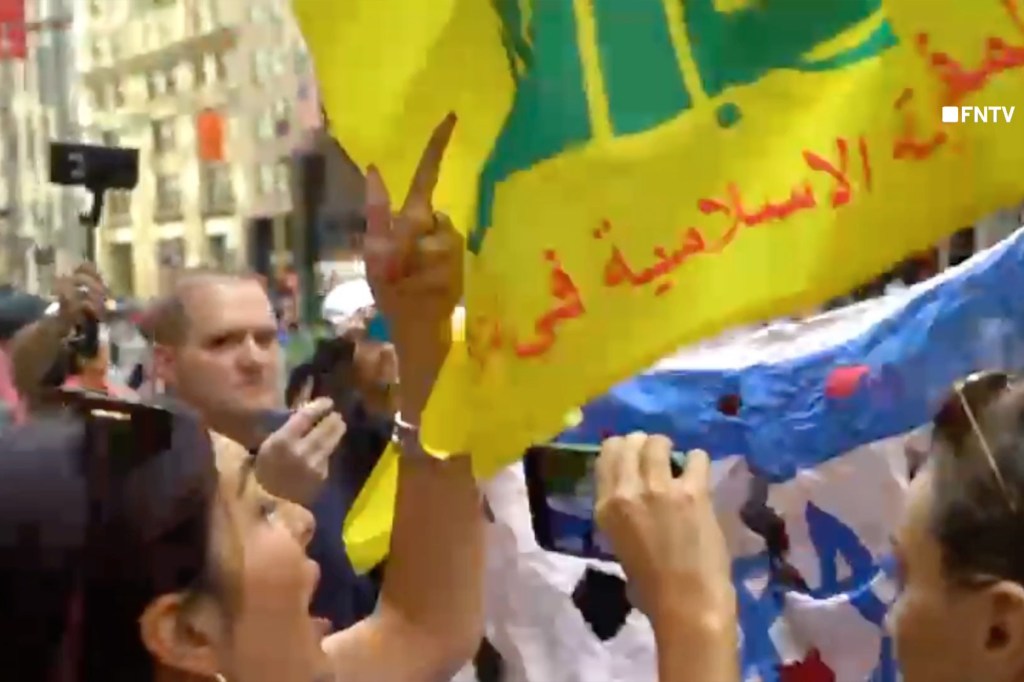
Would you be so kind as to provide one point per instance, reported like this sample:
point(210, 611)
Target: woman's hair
point(93, 526)
point(977, 522)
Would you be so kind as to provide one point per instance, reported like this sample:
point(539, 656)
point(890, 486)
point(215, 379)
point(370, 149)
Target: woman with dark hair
point(162, 570)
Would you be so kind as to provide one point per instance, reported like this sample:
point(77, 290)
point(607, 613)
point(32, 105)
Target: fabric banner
point(830, 411)
point(634, 176)
point(902, 351)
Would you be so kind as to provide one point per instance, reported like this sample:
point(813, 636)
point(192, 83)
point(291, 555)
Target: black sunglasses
point(957, 417)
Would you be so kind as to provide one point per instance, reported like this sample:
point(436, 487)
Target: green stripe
point(739, 48)
point(549, 113)
point(641, 69)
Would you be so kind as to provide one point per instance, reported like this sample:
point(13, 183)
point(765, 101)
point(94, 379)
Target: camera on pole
point(97, 169)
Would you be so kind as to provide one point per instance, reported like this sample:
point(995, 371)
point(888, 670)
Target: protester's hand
point(81, 293)
point(663, 529)
point(292, 462)
point(414, 268)
point(414, 257)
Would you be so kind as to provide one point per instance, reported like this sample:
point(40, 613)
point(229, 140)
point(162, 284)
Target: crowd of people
point(217, 554)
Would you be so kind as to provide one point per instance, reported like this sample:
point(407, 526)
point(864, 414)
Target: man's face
point(230, 358)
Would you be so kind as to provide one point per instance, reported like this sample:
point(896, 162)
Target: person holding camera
point(359, 372)
point(664, 532)
point(39, 350)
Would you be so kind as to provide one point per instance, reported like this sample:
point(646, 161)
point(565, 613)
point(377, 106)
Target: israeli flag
point(826, 413)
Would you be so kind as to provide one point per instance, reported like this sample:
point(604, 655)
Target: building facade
point(38, 89)
point(217, 95)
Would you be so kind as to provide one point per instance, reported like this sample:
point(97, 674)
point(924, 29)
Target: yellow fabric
point(367, 529)
point(709, 135)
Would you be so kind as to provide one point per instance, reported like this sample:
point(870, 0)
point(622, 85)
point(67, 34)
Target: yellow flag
point(633, 175)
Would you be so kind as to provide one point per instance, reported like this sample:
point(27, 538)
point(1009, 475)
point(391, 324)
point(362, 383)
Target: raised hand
point(414, 266)
point(663, 529)
point(80, 294)
point(292, 462)
point(414, 257)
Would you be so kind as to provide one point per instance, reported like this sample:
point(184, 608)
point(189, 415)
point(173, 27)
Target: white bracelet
point(406, 437)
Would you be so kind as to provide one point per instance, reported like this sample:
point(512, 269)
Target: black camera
point(98, 169)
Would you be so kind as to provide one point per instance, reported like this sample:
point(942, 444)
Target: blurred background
point(219, 97)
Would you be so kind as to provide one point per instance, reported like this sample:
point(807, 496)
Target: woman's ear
point(1004, 645)
point(183, 636)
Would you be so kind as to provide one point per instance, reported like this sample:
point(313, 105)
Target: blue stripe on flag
point(972, 319)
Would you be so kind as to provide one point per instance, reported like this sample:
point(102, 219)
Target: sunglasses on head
point(957, 417)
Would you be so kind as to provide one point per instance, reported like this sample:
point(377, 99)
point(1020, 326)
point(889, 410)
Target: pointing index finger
point(424, 180)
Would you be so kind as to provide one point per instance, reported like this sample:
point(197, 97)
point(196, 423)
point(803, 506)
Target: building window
point(156, 84)
point(100, 50)
point(200, 75)
point(171, 253)
point(30, 143)
point(265, 126)
point(216, 67)
point(168, 197)
point(118, 207)
point(261, 70)
point(122, 270)
point(282, 118)
point(171, 74)
point(96, 98)
point(164, 135)
point(283, 176)
point(258, 12)
point(303, 65)
point(217, 250)
point(170, 258)
point(266, 179)
point(278, 63)
point(218, 191)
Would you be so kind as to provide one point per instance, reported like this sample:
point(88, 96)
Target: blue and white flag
point(827, 412)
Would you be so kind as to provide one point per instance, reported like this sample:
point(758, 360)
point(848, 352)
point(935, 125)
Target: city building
point(38, 85)
point(219, 97)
